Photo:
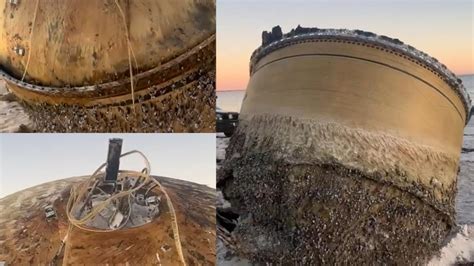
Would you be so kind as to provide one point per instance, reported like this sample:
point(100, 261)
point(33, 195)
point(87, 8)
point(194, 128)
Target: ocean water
point(232, 101)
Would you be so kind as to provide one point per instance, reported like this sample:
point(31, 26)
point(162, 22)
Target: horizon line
point(230, 90)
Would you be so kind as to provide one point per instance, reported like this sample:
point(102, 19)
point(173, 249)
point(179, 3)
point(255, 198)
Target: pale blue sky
point(31, 159)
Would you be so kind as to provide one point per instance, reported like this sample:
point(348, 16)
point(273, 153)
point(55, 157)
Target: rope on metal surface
point(130, 53)
point(79, 193)
point(31, 37)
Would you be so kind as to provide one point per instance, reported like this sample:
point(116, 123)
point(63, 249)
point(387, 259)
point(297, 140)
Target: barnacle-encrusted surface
point(313, 192)
point(184, 106)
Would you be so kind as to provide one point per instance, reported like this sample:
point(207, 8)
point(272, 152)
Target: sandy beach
point(12, 115)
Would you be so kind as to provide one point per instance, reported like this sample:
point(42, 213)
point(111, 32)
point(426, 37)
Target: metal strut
point(113, 160)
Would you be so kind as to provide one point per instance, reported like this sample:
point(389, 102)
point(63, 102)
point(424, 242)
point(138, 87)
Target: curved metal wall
point(76, 43)
point(360, 87)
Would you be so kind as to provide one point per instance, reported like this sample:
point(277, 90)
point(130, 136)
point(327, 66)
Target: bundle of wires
point(79, 195)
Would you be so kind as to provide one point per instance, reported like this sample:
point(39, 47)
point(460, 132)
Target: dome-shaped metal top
point(78, 43)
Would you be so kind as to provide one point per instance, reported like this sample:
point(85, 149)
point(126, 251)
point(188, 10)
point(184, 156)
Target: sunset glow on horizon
point(442, 29)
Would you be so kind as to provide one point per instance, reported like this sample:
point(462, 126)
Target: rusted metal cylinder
point(347, 150)
point(69, 62)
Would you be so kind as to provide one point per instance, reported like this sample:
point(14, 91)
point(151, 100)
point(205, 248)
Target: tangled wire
point(80, 194)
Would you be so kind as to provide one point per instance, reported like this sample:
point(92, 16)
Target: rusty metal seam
point(45, 89)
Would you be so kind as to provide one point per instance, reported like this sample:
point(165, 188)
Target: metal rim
point(349, 36)
point(112, 87)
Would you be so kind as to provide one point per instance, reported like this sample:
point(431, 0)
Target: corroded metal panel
point(75, 43)
point(76, 66)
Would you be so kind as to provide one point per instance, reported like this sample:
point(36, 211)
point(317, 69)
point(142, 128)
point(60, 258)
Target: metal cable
point(130, 52)
point(31, 37)
point(79, 193)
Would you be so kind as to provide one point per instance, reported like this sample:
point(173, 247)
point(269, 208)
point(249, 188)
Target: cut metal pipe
point(113, 160)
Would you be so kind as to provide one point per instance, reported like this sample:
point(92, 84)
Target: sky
point(441, 28)
point(27, 160)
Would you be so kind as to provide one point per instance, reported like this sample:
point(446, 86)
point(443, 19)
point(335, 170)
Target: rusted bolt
point(18, 50)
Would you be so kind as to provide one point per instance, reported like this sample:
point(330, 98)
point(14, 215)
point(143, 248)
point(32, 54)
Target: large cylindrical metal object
point(349, 143)
point(70, 62)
